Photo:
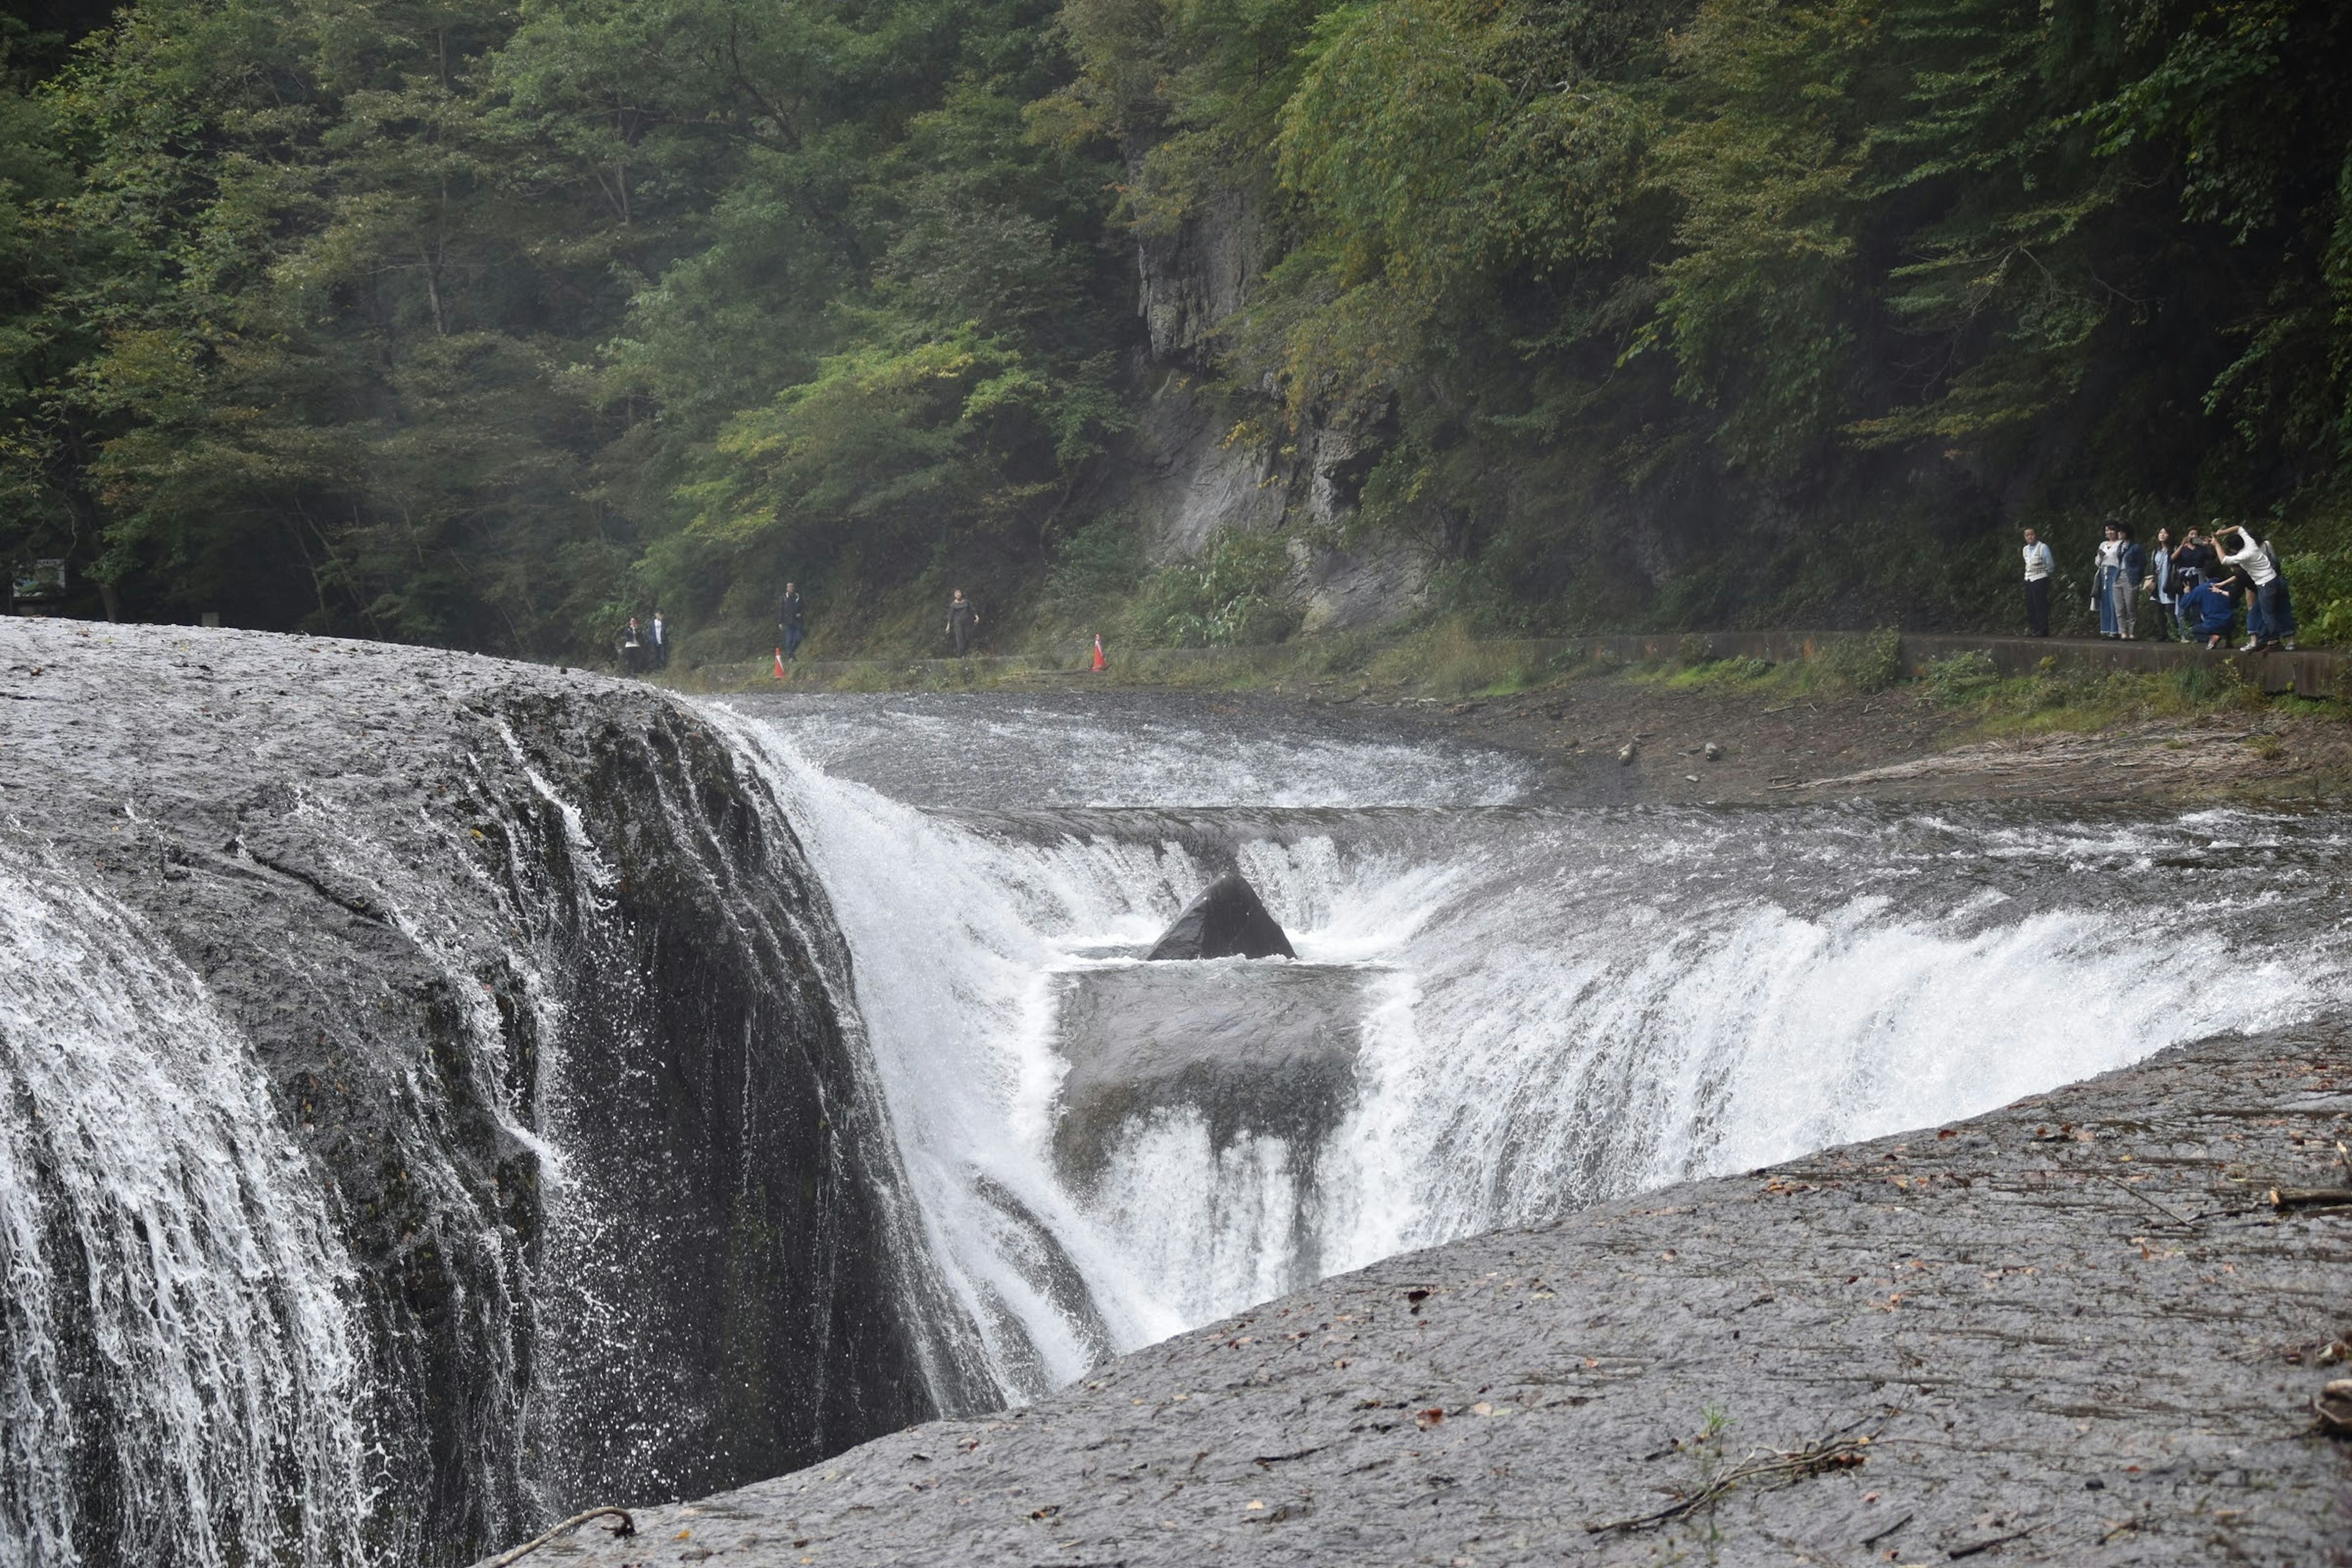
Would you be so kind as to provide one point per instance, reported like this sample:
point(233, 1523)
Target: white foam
point(1565, 1006)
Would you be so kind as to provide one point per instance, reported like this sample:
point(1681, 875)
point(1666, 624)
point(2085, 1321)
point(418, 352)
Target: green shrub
point(1101, 560)
point(1237, 590)
point(1960, 678)
point(1872, 662)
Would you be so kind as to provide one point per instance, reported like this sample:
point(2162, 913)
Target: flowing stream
point(1527, 1007)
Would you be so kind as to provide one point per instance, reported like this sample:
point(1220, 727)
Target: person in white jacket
point(2039, 565)
point(2242, 552)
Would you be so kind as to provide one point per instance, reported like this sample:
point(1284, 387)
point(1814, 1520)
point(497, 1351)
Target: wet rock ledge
point(2070, 1332)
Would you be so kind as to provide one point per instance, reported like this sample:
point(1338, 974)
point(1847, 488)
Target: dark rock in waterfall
point(1228, 920)
point(540, 987)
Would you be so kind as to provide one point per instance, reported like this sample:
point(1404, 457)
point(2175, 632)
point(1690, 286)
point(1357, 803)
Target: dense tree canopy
point(449, 320)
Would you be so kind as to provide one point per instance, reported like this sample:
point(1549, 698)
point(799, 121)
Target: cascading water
point(178, 1370)
point(429, 1108)
point(429, 1113)
point(1542, 1006)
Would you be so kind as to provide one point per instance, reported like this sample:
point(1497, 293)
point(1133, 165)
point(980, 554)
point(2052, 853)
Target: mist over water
point(1549, 1005)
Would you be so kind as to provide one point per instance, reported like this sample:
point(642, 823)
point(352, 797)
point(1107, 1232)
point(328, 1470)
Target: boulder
point(1227, 920)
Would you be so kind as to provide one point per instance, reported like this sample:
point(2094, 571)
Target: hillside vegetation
point(456, 322)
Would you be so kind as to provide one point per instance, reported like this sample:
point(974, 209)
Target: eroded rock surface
point(542, 991)
point(2072, 1331)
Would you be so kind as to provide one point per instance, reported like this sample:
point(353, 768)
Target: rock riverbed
point(2070, 1332)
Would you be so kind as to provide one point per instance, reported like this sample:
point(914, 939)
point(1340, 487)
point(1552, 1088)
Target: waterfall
point(1546, 1007)
point(179, 1373)
point(403, 1149)
point(569, 1097)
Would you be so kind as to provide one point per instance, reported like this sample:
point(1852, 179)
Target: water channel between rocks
point(1503, 1006)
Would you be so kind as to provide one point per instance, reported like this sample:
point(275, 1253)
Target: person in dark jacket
point(658, 646)
point(633, 649)
point(962, 621)
point(789, 612)
point(2195, 554)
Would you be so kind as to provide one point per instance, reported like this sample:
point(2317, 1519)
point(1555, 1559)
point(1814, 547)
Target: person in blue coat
point(2208, 612)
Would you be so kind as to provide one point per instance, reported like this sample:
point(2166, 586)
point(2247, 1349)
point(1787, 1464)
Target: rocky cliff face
point(1200, 462)
point(539, 1015)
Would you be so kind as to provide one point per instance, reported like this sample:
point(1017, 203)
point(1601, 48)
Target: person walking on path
point(2039, 565)
point(2106, 566)
point(2131, 570)
point(2249, 557)
point(2163, 586)
point(962, 621)
point(789, 611)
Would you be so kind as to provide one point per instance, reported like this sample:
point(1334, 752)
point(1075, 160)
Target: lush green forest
point(488, 324)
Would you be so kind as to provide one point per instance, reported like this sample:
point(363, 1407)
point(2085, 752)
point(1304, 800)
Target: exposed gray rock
point(1227, 919)
point(1265, 1050)
point(2072, 1333)
point(465, 910)
point(1189, 281)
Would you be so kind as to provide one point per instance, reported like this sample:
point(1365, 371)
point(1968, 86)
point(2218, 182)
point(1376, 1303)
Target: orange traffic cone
point(1101, 664)
point(779, 664)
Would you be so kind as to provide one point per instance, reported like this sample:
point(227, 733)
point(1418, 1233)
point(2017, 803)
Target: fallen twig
point(2128, 1188)
point(1838, 1454)
point(2311, 1197)
point(626, 1527)
point(1957, 1552)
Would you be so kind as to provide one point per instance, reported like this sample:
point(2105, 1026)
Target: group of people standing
point(644, 647)
point(2196, 584)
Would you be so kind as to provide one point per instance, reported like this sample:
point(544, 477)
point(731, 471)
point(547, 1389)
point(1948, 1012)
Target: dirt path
point(1896, 746)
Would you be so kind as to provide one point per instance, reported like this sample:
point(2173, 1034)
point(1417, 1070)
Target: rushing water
point(1502, 1007)
point(213, 1391)
point(1545, 1005)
